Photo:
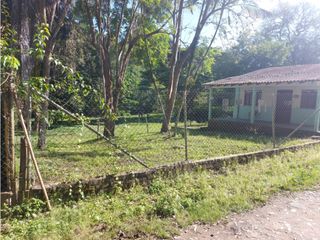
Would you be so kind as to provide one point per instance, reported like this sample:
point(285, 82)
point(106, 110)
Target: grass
point(169, 204)
point(74, 152)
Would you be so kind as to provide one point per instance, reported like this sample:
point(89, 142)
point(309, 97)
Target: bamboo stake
point(25, 131)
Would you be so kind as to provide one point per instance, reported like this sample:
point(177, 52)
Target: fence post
point(185, 125)
point(98, 127)
point(147, 123)
point(8, 158)
point(253, 105)
point(210, 105)
point(23, 173)
point(26, 135)
point(236, 103)
point(273, 118)
point(317, 116)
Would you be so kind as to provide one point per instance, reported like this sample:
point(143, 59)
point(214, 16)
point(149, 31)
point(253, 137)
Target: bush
point(165, 206)
point(27, 209)
point(57, 117)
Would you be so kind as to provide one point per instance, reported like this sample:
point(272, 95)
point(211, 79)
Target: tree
point(51, 14)
point(297, 26)
point(116, 28)
point(209, 11)
point(251, 53)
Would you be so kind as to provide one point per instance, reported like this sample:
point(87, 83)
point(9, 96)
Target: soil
point(286, 216)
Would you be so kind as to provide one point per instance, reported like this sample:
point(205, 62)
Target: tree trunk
point(42, 141)
point(5, 176)
point(178, 119)
point(44, 114)
point(8, 163)
point(171, 98)
point(175, 69)
point(109, 125)
point(26, 59)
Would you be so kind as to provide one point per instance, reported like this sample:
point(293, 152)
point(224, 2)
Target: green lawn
point(75, 153)
point(169, 204)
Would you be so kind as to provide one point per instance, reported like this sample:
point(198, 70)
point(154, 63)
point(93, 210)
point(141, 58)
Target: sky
point(190, 21)
point(270, 4)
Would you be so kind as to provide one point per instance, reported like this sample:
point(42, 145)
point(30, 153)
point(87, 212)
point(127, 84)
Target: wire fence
point(205, 123)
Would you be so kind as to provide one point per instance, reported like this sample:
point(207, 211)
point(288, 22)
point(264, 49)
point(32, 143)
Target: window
point(308, 99)
point(248, 97)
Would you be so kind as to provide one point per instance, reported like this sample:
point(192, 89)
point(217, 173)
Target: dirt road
point(287, 216)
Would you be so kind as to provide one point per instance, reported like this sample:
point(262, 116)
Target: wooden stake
point(23, 170)
point(25, 131)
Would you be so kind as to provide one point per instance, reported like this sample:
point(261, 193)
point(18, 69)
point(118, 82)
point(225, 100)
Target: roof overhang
point(217, 84)
point(271, 76)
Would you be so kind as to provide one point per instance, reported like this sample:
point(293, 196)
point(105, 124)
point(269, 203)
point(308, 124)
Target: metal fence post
point(185, 125)
point(273, 119)
point(147, 123)
point(210, 104)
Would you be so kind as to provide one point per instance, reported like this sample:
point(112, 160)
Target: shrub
point(29, 208)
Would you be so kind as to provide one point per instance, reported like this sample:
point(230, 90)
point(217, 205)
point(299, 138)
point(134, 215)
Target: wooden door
point(283, 106)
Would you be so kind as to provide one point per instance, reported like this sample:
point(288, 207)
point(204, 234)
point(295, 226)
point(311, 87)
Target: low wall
point(108, 183)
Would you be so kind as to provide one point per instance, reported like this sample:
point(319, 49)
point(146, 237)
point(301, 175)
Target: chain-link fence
point(205, 123)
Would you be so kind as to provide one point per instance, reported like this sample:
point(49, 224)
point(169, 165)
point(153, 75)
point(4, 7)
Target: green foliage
point(8, 46)
point(9, 62)
point(295, 25)
point(66, 83)
point(287, 37)
point(166, 206)
point(250, 54)
point(28, 209)
point(57, 117)
point(40, 39)
point(153, 51)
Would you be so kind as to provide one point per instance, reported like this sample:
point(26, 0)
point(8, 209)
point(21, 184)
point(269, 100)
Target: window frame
point(247, 100)
point(258, 96)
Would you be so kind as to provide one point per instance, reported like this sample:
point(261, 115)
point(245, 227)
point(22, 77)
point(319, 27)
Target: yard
point(76, 153)
point(69, 64)
point(160, 210)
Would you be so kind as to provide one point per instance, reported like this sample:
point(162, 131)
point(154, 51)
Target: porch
point(263, 127)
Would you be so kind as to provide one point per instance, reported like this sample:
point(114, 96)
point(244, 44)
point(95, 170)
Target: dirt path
point(288, 216)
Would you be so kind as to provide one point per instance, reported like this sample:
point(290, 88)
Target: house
point(286, 96)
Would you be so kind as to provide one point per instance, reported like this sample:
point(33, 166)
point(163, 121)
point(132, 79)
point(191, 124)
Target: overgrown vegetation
point(169, 204)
